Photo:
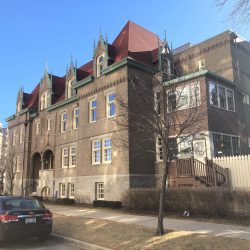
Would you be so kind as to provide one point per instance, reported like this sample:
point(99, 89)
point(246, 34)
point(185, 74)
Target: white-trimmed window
point(65, 157)
point(221, 97)
point(248, 141)
point(99, 65)
point(202, 64)
point(110, 104)
point(62, 189)
point(38, 127)
point(92, 110)
point(246, 99)
point(18, 163)
point(159, 149)
point(76, 118)
point(96, 152)
point(21, 134)
point(14, 137)
point(107, 150)
point(72, 159)
point(63, 122)
point(70, 92)
point(49, 121)
point(99, 190)
point(44, 103)
point(157, 101)
point(71, 189)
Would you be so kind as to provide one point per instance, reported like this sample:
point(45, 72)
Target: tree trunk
point(160, 228)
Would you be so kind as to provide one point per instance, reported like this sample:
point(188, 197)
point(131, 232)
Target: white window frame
point(159, 149)
point(99, 186)
point(217, 86)
point(49, 121)
point(246, 99)
point(92, 110)
point(62, 189)
point(72, 155)
point(65, 156)
point(38, 128)
point(95, 150)
point(18, 163)
point(71, 190)
point(106, 150)
point(109, 103)
point(76, 114)
point(44, 100)
point(14, 137)
point(63, 122)
point(21, 140)
point(99, 65)
point(202, 64)
point(157, 101)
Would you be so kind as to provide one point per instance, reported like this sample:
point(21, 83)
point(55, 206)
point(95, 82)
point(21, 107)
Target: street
point(51, 244)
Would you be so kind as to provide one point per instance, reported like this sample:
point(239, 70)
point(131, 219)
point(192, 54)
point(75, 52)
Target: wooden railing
point(209, 173)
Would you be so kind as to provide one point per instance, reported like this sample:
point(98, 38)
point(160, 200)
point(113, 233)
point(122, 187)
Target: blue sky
point(36, 33)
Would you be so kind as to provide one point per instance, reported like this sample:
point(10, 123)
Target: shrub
point(216, 202)
point(67, 201)
point(110, 204)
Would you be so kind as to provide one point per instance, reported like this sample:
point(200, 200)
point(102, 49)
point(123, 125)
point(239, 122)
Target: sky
point(48, 33)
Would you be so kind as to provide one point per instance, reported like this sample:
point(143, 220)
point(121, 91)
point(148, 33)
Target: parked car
point(24, 216)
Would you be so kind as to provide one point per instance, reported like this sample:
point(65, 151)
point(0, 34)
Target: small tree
point(159, 112)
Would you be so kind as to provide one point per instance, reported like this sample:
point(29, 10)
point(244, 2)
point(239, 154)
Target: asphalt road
point(32, 244)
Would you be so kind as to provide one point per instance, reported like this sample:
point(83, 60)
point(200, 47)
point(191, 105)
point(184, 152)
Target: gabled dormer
point(45, 92)
point(19, 102)
point(70, 80)
point(101, 56)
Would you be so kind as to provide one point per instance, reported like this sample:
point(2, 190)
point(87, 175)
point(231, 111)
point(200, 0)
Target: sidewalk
point(231, 231)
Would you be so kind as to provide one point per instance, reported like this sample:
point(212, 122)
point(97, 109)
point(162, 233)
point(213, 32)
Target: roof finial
point(165, 35)
point(100, 28)
point(71, 59)
point(75, 63)
point(94, 48)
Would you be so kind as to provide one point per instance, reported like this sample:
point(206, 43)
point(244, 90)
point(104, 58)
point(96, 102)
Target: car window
point(10, 204)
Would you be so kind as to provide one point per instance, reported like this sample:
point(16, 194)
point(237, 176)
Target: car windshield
point(21, 203)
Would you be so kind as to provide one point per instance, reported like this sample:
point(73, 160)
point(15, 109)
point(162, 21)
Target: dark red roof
point(133, 41)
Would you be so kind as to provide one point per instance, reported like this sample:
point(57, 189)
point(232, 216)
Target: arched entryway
point(36, 166)
point(46, 192)
point(48, 159)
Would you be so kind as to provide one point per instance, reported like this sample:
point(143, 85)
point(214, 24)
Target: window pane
point(222, 97)
point(213, 94)
point(172, 101)
point(236, 145)
point(112, 97)
point(230, 100)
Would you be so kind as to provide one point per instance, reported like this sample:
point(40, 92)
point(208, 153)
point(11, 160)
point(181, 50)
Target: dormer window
point(70, 89)
point(99, 65)
point(44, 100)
point(19, 106)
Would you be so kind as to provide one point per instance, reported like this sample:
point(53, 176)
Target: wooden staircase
point(192, 172)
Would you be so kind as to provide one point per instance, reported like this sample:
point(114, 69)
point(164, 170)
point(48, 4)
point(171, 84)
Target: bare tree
point(158, 112)
point(239, 10)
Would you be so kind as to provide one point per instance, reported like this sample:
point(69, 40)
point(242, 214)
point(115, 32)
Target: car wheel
point(42, 238)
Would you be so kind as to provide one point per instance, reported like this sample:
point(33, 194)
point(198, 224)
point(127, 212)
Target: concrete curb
point(84, 244)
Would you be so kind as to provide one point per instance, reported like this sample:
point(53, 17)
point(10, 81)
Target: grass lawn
point(124, 236)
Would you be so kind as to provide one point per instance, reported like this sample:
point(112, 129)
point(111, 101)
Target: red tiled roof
point(133, 41)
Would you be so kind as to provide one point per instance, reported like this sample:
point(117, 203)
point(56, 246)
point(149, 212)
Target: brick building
point(62, 135)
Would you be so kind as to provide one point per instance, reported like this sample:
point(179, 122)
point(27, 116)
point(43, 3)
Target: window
point(19, 106)
point(202, 64)
point(38, 128)
point(22, 135)
point(71, 188)
point(18, 163)
point(248, 140)
point(96, 152)
point(72, 162)
point(226, 145)
point(44, 103)
point(221, 97)
point(76, 118)
point(157, 102)
point(65, 157)
point(63, 121)
point(14, 137)
point(62, 189)
point(185, 146)
point(110, 106)
point(184, 97)
point(49, 124)
point(70, 89)
point(159, 149)
point(99, 65)
point(92, 110)
point(99, 190)
point(246, 99)
point(69, 157)
point(107, 150)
